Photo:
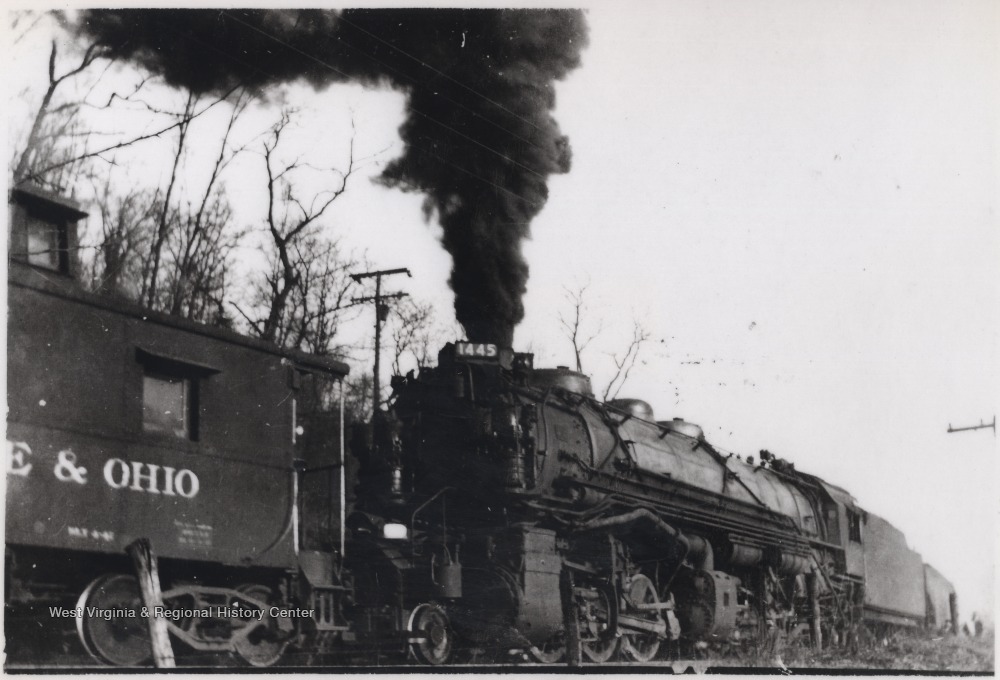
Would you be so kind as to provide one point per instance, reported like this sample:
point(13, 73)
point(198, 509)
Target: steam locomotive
point(498, 507)
point(502, 505)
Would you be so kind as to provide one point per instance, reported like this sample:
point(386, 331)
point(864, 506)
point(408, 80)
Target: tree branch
point(627, 361)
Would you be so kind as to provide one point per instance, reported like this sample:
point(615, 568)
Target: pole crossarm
point(372, 298)
point(980, 426)
point(382, 272)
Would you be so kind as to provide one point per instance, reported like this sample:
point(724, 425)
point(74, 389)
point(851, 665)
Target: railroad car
point(223, 451)
point(942, 603)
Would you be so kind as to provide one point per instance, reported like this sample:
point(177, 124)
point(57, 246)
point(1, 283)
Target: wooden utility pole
point(381, 312)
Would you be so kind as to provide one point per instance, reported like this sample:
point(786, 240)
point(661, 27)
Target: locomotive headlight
point(395, 532)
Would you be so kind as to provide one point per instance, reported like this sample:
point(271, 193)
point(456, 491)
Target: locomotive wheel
point(602, 620)
point(600, 651)
point(641, 647)
point(431, 621)
point(117, 640)
point(260, 648)
point(551, 652)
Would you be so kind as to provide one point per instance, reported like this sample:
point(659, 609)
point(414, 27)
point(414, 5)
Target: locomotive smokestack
point(480, 138)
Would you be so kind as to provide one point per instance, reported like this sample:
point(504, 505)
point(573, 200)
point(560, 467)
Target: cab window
point(854, 526)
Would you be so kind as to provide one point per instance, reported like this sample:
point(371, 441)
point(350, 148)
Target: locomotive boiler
point(502, 506)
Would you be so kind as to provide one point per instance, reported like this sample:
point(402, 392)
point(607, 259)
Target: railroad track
point(676, 667)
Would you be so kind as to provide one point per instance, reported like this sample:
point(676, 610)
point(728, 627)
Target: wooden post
point(570, 621)
point(149, 586)
point(760, 594)
point(812, 583)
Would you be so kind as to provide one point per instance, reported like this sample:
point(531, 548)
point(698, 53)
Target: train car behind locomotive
point(221, 450)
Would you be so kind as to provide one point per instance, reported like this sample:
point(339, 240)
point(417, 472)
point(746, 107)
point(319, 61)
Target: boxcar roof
point(22, 275)
point(30, 194)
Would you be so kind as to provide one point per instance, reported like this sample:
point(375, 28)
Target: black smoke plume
point(480, 138)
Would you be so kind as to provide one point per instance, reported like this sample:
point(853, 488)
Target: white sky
point(798, 199)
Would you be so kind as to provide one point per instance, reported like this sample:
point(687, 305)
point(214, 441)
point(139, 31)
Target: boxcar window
point(168, 405)
point(170, 394)
point(43, 243)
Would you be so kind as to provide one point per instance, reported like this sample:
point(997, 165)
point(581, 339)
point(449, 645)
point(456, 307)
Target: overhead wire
point(331, 67)
point(287, 44)
point(437, 71)
point(478, 143)
point(413, 80)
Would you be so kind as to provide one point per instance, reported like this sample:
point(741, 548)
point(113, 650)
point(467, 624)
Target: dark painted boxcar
point(127, 424)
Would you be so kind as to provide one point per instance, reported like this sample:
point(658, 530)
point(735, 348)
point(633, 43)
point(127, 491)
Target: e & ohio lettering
point(118, 474)
point(150, 478)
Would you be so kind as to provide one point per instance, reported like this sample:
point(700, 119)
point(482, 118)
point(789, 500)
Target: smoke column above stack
point(480, 140)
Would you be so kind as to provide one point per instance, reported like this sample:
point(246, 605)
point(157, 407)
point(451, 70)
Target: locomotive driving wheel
point(430, 623)
point(265, 643)
point(641, 646)
point(109, 622)
point(598, 625)
point(550, 652)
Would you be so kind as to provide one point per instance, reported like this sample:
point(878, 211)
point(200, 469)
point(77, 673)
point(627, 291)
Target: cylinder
point(448, 579)
point(786, 563)
point(744, 555)
point(701, 553)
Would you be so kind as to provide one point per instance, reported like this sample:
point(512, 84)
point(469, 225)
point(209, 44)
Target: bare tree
point(289, 221)
point(58, 146)
point(580, 332)
point(39, 155)
point(317, 304)
point(162, 249)
point(201, 244)
point(126, 221)
point(572, 323)
point(413, 333)
point(358, 398)
point(198, 258)
point(152, 272)
point(321, 301)
point(626, 362)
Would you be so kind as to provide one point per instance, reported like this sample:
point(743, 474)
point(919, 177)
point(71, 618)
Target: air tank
point(637, 408)
point(681, 426)
point(563, 378)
